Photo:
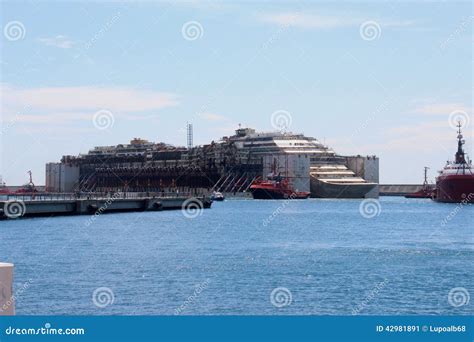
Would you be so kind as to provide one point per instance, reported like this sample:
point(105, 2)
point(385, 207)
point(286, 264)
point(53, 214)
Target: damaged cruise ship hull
point(327, 189)
point(331, 178)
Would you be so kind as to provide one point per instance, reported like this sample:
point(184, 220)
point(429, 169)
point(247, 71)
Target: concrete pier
point(399, 189)
point(43, 205)
point(7, 303)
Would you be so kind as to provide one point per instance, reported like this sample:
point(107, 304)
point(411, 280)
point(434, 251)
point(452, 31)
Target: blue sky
point(366, 78)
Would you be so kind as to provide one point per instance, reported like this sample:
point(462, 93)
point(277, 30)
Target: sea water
point(395, 256)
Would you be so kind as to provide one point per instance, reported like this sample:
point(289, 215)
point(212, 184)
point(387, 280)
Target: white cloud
point(58, 41)
point(425, 137)
point(51, 117)
point(222, 130)
point(439, 108)
point(57, 106)
point(415, 141)
point(304, 20)
point(415, 129)
point(120, 99)
point(319, 21)
point(205, 5)
point(212, 117)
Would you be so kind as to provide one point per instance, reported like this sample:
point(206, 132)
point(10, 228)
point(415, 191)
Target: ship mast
point(460, 157)
point(30, 183)
point(425, 182)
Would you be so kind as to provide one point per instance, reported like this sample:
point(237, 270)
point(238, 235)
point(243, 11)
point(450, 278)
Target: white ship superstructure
point(327, 174)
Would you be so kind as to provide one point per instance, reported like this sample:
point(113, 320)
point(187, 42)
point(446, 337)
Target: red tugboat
point(275, 187)
point(426, 191)
point(455, 182)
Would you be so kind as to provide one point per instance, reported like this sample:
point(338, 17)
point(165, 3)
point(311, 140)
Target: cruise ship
point(328, 174)
point(229, 165)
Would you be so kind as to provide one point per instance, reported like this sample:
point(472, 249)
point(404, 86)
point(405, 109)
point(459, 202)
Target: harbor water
point(310, 257)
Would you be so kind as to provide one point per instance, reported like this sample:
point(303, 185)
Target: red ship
point(275, 188)
point(28, 188)
point(3, 188)
point(426, 191)
point(455, 182)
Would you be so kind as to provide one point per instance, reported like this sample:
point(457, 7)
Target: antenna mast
point(189, 129)
point(425, 183)
point(460, 156)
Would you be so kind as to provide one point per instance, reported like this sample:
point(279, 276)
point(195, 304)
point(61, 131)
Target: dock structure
point(399, 189)
point(7, 302)
point(16, 206)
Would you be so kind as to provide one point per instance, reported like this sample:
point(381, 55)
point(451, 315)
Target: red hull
point(455, 188)
point(419, 195)
point(423, 193)
point(275, 190)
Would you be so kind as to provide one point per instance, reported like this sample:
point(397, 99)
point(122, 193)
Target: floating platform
point(45, 205)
